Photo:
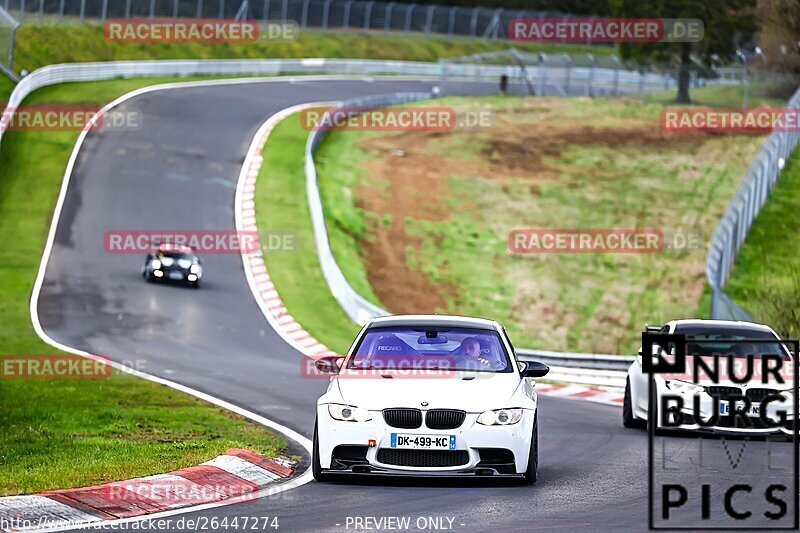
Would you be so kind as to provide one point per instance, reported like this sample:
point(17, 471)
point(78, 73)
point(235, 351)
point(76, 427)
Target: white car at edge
point(428, 395)
point(705, 339)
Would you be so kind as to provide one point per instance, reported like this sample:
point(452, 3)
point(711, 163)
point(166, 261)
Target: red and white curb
point(237, 476)
point(579, 392)
point(261, 285)
point(270, 301)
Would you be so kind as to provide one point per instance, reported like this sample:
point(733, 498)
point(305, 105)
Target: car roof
point(433, 320)
point(722, 324)
point(167, 247)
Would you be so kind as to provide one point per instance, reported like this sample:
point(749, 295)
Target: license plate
point(725, 409)
point(424, 442)
point(175, 275)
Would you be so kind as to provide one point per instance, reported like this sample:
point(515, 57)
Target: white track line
point(37, 287)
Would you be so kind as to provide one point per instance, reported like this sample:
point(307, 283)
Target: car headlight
point(194, 269)
point(348, 413)
point(156, 264)
point(685, 387)
point(787, 395)
point(500, 417)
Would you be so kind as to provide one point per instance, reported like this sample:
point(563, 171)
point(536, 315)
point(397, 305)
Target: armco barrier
point(750, 197)
point(75, 72)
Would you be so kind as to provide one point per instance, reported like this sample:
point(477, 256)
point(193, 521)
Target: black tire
point(149, 277)
point(316, 468)
point(628, 420)
point(532, 473)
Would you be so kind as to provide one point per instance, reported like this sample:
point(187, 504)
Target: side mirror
point(329, 365)
point(535, 369)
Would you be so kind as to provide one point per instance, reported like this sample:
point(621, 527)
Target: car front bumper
point(481, 450)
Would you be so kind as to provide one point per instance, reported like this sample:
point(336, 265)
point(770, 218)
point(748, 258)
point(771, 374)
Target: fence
point(324, 14)
point(745, 206)
point(8, 30)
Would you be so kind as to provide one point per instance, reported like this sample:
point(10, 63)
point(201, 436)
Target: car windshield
point(731, 341)
point(430, 348)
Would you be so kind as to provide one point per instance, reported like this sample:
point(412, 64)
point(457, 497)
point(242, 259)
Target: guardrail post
point(590, 79)
point(41, 9)
point(616, 74)
point(387, 17)
point(346, 21)
point(152, 9)
point(199, 9)
point(22, 9)
point(451, 22)
point(83, 10)
point(326, 8)
point(473, 23)
point(304, 18)
point(61, 10)
point(104, 11)
point(284, 11)
point(567, 73)
point(175, 8)
point(429, 19)
point(221, 13)
point(542, 73)
point(368, 15)
point(409, 12)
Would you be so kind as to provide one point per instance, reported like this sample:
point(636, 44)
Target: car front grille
point(423, 458)
point(403, 418)
point(723, 393)
point(444, 418)
point(757, 395)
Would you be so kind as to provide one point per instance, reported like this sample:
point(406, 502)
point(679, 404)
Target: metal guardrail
point(750, 197)
point(8, 32)
point(75, 72)
point(577, 360)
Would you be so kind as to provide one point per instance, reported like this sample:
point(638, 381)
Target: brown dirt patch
point(407, 182)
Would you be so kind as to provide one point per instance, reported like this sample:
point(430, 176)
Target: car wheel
point(628, 420)
point(533, 457)
point(316, 468)
point(149, 276)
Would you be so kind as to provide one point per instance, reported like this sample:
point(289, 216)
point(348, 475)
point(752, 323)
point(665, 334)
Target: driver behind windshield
point(468, 355)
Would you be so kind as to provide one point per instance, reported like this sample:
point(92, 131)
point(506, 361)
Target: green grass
point(40, 44)
point(584, 302)
point(75, 432)
point(730, 96)
point(767, 262)
point(282, 206)
point(6, 86)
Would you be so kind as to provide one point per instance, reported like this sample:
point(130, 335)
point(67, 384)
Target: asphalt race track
point(178, 172)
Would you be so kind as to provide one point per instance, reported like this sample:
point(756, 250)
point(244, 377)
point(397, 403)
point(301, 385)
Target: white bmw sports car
point(428, 396)
point(727, 402)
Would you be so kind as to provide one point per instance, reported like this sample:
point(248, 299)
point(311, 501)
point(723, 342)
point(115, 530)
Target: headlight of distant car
point(685, 387)
point(194, 269)
point(156, 264)
point(348, 413)
point(500, 417)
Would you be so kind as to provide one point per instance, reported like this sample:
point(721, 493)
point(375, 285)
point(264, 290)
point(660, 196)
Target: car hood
point(484, 391)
